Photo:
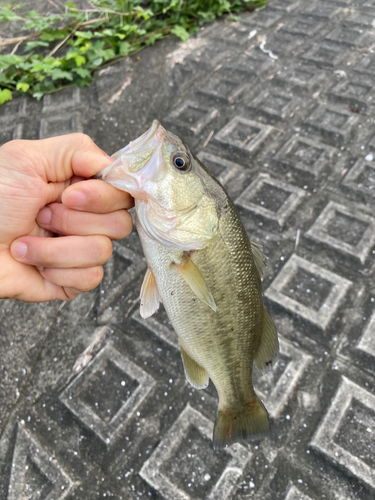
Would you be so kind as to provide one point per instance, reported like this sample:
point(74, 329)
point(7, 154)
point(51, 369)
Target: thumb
point(72, 154)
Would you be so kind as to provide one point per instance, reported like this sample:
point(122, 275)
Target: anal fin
point(269, 343)
point(150, 297)
point(195, 373)
point(193, 277)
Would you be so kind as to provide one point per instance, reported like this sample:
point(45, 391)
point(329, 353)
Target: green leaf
point(80, 60)
point(51, 35)
point(96, 62)
point(23, 86)
point(10, 60)
point(32, 14)
point(58, 74)
point(181, 33)
point(37, 67)
point(84, 34)
point(38, 95)
point(124, 48)
point(108, 32)
point(82, 72)
point(32, 45)
point(8, 15)
point(5, 95)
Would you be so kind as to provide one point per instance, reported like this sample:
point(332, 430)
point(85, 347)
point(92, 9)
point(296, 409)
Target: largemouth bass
point(205, 271)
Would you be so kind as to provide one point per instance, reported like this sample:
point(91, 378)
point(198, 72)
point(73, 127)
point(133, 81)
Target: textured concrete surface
point(290, 133)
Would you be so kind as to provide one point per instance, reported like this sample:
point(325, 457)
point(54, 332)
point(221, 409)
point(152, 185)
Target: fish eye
point(181, 161)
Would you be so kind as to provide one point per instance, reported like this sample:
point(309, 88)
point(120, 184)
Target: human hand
point(45, 189)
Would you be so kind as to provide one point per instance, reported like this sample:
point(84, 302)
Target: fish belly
point(224, 342)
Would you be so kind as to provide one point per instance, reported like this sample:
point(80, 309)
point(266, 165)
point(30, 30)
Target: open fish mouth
point(124, 173)
point(154, 135)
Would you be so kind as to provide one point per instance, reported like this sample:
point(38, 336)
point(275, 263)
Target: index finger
point(96, 196)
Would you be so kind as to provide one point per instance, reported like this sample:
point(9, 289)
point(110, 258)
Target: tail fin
point(232, 426)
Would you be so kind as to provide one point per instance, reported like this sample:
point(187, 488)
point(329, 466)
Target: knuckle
point(96, 276)
point(84, 139)
point(90, 278)
point(70, 293)
point(123, 225)
point(48, 254)
point(103, 249)
point(64, 220)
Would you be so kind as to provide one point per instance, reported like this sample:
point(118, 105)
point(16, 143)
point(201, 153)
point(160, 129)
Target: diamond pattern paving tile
point(271, 19)
point(290, 366)
point(353, 37)
point(356, 91)
point(300, 77)
point(107, 393)
point(35, 473)
point(367, 341)
point(253, 61)
point(333, 122)
point(181, 475)
point(271, 198)
point(308, 290)
point(275, 104)
point(325, 55)
point(295, 494)
point(346, 434)
point(303, 26)
point(323, 10)
point(121, 269)
point(245, 135)
point(361, 177)
point(225, 88)
point(222, 169)
point(192, 116)
point(288, 5)
point(366, 64)
point(346, 229)
point(306, 154)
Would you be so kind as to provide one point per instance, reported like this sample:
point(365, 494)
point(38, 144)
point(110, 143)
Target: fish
point(205, 271)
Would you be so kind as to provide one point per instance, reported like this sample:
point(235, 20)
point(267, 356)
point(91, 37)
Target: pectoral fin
point(150, 297)
point(195, 373)
point(269, 344)
point(193, 277)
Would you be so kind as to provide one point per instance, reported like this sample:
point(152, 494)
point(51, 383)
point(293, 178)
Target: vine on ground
point(64, 49)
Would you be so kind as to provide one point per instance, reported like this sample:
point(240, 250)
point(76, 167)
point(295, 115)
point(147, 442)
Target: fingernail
point(20, 250)
point(75, 199)
point(44, 216)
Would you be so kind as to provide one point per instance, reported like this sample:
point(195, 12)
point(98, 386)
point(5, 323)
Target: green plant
point(64, 49)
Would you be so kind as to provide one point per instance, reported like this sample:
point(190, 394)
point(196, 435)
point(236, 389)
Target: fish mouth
point(143, 154)
point(152, 136)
